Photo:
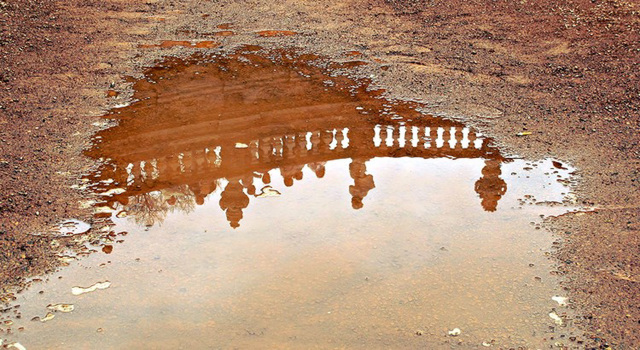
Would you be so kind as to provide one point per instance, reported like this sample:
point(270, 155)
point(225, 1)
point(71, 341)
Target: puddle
point(255, 201)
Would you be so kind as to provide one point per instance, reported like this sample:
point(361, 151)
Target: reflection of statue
point(266, 178)
point(232, 201)
point(291, 172)
point(363, 182)
point(202, 189)
point(490, 187)
point(247, 182)
point(317, 168)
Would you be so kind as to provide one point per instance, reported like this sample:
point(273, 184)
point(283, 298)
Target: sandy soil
point(565, 71)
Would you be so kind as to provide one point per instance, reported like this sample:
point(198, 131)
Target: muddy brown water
point(256, 201)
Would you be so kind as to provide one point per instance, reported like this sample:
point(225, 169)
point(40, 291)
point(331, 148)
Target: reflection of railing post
point(148, 173)
point(403, 137)
point(106, 171)
point(384, 136)
point(327, 139)
point(408, 137)
point(457, 143)
point(187, 161)
point(346, 134)
point(136, 172)
point(120, 174)
point(432, 135)
point(255, 152)
point(339, 138)
point(289, 144)
point(266, 149)
point(392, 134)
point(278, 146)
point(315, 141)
point(199, 160)
point(446, 137)
point(209, 157)
point(472, 137)
point(301, 145)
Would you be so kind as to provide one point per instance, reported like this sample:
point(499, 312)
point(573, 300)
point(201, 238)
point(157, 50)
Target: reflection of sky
point(306, 268)
point(419, 186)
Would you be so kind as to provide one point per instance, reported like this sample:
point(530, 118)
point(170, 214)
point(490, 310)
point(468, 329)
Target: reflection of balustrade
point(297, 149)
point(200, 168)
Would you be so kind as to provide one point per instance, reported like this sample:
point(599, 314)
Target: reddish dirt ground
point(567, 71)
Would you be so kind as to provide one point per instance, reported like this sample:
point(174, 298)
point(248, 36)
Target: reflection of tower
point(233, 200)
point(363, 182)
point(318, 168)
point(490, 187)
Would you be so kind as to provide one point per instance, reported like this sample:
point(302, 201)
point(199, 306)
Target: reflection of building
point(240, 118)
point(490, 187)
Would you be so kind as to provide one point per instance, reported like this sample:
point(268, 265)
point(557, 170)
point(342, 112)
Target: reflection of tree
point(152, 207)
point(363, 182)
point(148, 208)
point(182, 197)
point(490, 187)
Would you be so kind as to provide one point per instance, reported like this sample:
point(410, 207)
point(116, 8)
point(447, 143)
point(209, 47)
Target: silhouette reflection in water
point(199, 124)
point(490, 187)
point(232, 201)
point(363, 182)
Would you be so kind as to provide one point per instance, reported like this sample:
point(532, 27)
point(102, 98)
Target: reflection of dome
point(232, 201)
point(490, 187)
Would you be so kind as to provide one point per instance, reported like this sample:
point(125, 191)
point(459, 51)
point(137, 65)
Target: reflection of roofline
point(195, 177)
point(175, 139)
point(238, 162)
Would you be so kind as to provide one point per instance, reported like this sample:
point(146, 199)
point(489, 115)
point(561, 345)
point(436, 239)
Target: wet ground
point(561, 75)
point(255, 200)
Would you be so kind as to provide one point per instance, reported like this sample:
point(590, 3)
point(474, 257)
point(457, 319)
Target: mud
point(566, 72)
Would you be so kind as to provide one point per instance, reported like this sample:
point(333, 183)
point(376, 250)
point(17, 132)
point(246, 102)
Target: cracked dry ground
point(567, 71)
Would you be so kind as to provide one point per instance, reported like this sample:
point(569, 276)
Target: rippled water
point(256, 201)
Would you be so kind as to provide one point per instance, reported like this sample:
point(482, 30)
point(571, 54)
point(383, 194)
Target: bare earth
point(566, 71)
